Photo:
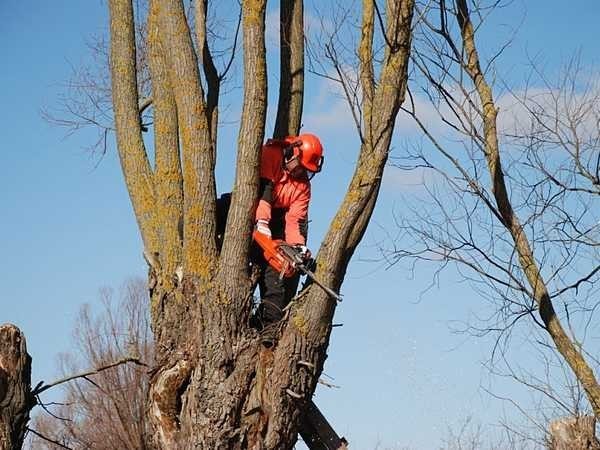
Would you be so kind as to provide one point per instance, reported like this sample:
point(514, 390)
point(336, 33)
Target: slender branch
point(392, 45)
point(45, 408)
point(38, 434)
point(223, 74)
point(327, 384)
point(44, 387)
point(578, 282)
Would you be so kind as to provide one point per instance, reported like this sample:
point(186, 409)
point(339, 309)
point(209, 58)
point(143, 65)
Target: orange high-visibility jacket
point(279, 190)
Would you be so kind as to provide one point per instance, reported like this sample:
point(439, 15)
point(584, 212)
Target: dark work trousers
point(275, 294)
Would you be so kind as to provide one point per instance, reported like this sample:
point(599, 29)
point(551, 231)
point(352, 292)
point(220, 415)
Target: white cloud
point(395, 179)
point(426, 113)
point(560, 111)
point(330, 109)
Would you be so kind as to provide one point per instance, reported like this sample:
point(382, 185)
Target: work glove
point(303, 252)
point(262, 226)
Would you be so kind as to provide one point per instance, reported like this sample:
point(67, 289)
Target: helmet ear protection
point(307, 149)
point(289, 151)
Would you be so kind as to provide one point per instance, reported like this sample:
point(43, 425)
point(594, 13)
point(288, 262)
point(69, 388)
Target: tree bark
point(573, 433)
point(15, 387)
point(168, 174)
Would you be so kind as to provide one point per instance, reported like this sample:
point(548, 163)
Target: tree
point(525, 232)
point(213, 385)
point(104, 410)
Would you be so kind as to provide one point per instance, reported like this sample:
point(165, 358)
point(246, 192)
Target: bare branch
point(52, 441)
point(44, 387)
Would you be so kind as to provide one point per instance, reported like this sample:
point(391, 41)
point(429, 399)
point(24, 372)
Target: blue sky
point(67, 229)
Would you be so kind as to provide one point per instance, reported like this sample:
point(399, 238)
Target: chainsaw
point(286, 260)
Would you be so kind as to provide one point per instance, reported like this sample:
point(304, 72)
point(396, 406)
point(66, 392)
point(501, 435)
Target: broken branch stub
point(16, 400)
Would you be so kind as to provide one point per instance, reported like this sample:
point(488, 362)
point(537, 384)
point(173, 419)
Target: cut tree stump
point(573, 433)
point(15, 387)
point(317, 433)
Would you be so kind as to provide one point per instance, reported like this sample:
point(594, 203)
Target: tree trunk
point(15, 387)
point(218, 387)
point(573, 433)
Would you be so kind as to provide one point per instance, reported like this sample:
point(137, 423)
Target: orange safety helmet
point(307, 147)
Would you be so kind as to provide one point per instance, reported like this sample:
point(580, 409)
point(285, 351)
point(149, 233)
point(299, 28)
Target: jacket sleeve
point(296, 218)
point(263, 211)
point(267, 180)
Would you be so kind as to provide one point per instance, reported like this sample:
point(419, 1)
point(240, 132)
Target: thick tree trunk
point(15, 387)
point(218, 387)
point(573, 433)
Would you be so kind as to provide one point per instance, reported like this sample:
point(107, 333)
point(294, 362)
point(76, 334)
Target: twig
point(93, 383)
point(45, 408)
point(41, 387)
point(48, 439)
point(329, 385)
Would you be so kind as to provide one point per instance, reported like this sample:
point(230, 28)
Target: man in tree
point(287, 166)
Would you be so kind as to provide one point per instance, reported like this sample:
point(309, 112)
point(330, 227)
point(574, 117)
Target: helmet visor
point(315, 165)
point(311, 173)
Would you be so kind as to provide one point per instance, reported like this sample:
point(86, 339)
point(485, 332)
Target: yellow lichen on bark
point(253, 11)
point(134, 161)
point(300, 322)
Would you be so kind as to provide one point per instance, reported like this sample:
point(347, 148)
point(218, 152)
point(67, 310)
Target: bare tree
point(213, 385)
point(105, 410)
point(512, 212)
